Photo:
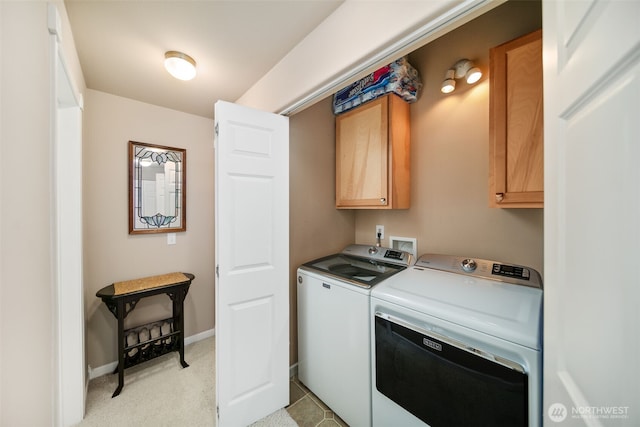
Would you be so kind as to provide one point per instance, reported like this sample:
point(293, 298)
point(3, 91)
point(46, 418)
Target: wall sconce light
point(180, 65)
point(461, 69)
point(449, 83)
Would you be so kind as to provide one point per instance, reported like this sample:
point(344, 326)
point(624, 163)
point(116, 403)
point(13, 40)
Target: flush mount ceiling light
point(180, 65)
point(461, 69)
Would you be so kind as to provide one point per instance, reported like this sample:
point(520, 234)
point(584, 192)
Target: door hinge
point(217, 129)
point(218, 271)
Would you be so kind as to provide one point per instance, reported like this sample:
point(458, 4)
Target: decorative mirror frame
point(141, 221)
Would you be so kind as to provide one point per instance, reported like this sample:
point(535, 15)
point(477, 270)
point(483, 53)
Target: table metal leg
point(178, 320)
point(120, 308)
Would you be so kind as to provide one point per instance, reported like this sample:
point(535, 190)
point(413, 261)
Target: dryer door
point(444, 382)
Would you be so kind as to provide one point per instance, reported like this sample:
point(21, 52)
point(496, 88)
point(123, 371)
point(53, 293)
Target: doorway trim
point(66, 234)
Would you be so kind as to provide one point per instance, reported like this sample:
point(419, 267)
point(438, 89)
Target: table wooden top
point(145, 285)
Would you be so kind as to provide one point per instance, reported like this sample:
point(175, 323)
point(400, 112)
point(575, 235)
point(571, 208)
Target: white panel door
point(252, 261)
point(591, 52)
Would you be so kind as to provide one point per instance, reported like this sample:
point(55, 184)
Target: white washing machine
point(457, 342)
point(334, 353)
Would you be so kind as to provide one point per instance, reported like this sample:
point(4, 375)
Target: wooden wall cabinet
point(373, 155)
point(516, 163)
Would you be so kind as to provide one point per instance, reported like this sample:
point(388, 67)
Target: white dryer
point(457, 342)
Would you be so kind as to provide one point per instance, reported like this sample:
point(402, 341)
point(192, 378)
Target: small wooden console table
point(122, 297)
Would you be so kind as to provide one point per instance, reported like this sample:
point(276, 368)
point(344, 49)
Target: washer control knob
point(299, 279)
point(468, 265)
point(373, 250)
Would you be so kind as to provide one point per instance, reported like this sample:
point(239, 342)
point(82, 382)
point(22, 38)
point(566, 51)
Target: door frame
point(66, 233)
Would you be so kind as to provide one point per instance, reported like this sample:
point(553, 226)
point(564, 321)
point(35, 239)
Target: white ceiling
point(121, 45)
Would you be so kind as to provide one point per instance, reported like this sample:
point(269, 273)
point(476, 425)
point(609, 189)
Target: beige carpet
point(162, 393)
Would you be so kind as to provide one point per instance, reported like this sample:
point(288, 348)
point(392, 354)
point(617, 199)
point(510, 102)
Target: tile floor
point(309, 411)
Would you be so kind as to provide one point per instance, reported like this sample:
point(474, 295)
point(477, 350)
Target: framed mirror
point(157, 188)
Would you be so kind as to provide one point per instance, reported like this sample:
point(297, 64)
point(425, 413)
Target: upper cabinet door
point(516, 169)
point(372, 155)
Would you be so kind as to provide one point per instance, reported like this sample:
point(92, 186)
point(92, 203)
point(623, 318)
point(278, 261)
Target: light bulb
point(473, 75)
point(448, 86)
point(449, 83)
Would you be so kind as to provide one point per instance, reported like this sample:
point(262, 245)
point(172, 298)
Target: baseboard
point(109, 368)
point(86, 393)
point(199, 337)
point(293, 370)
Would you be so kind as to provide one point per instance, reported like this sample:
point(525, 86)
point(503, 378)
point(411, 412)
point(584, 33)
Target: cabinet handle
point(499, 197)
point(383, 200)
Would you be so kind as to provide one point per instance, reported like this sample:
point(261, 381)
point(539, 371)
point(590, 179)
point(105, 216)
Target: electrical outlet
point(171, 238)
point(380, 229)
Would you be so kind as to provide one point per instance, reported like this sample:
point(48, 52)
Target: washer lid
point(363, 272)
point(362, 265)
point(504, 310)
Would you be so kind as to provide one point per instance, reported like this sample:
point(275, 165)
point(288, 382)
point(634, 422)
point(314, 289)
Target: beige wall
point(26, 301)
point(110, 253)
point(316, 227)
point(449, 156)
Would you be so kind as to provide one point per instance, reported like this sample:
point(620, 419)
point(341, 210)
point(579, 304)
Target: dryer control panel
point(511, 271)
point(487, 269)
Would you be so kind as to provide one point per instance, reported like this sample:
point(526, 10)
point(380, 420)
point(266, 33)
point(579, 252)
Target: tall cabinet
point(373, 155)
point(516, 124)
